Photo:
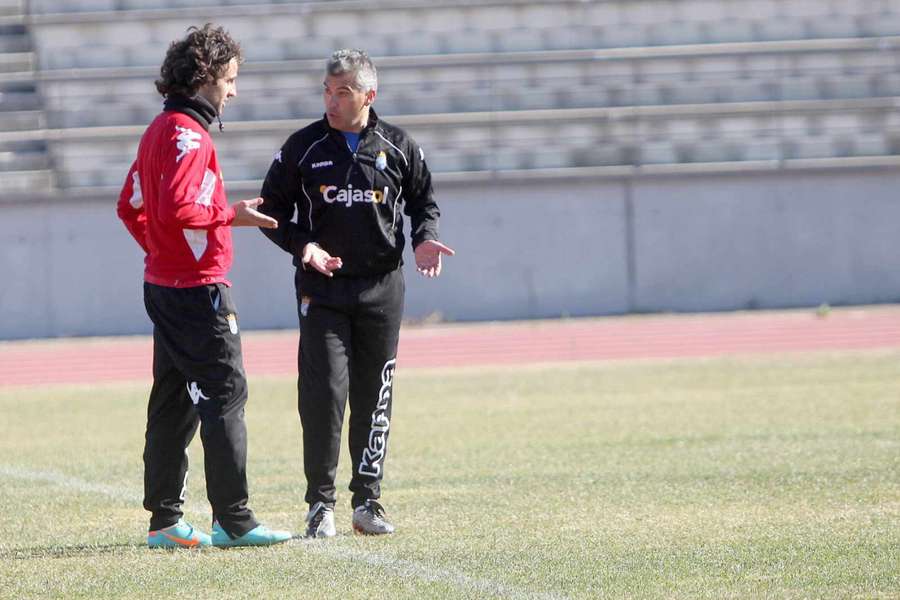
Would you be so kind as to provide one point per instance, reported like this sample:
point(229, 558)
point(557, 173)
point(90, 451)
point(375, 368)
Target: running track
point(95, 360)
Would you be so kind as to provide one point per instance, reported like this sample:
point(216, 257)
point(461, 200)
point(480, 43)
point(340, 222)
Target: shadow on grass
point(81, 550)
point(66, 551)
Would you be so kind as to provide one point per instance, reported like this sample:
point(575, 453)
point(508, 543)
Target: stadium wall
point(526, 248)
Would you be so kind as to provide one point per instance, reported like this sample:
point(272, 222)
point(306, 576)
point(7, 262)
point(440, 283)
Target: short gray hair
point(351, 60)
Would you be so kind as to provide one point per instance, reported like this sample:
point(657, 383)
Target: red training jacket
point(173, 203)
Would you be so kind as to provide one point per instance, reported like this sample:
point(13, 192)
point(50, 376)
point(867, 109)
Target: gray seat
point(623, 36)
point(12, 182)
point(576, 37)
point(761, 149)
point(63, 6)
point(886, 84)
point(520, 40)
point(658, 152)
point(832, 27)
point(416, 43)
point(675, 32)
point(783, 28)
point(19, 120)
point(880, 25)
point(468, 41)
point(872, 145)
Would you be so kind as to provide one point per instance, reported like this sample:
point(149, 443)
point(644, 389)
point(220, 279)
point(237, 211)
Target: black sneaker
point(369, 519)
point(320, 521)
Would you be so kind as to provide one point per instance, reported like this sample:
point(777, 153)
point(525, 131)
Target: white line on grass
point(405, 568)
point(83, 486)
point(425, 572)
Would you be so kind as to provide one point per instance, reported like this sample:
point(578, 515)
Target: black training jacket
point(349, 203)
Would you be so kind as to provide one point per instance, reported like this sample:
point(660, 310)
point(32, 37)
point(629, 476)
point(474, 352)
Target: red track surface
point(99, 360)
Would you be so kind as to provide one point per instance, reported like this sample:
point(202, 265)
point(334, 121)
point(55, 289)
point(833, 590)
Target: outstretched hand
point(320, 260)
point(246, 215)
point(428, 257)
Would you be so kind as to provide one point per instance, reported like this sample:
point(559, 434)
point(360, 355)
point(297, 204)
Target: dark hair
point(199, 58)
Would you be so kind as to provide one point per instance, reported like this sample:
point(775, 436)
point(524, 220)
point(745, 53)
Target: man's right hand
point(246, 215)
point(321, 261)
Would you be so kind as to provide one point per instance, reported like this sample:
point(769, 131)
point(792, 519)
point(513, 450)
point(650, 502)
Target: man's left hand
point(428, 257)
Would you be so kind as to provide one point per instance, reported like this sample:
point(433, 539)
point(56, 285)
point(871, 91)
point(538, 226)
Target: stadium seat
point(63, 6)
point(469, 41)
point(877, 25)
point(730, 30)
point(16, 182)
point(871, 145)
point(416, 43)
point(17, 120)
point(623, 36)
point(806, 9)
point(831, 27)
point(572, 38)
point(669, 33)
point(885, 84)
point(662, 152)
point(520, 40)
point(802, 87)
point(761, 149)
point(782, 28)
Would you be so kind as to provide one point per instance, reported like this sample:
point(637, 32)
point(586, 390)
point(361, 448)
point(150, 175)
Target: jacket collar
point(372, 124)
point(196, 107)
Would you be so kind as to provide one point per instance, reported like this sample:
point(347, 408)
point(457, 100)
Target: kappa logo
point(186, 140)
point(195, 392)
point(137, 199)
point(277, 157)
point(183, 495)
point(373, 455)
point(207, 188)
point(324, 163)
point(348, 196)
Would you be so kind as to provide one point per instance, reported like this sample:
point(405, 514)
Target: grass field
point(728, 478)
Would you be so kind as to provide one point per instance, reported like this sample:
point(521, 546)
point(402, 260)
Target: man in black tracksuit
point(347, 176)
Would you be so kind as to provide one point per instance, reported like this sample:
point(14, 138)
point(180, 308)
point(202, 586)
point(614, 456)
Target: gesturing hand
point(320, 260)
point(246, 215)
point(428, 257)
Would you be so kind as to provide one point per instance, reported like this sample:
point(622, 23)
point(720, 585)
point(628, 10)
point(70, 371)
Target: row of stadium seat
point(305, 31)
point(548, 80)
point(559, 12)
point(549, 139)
point(288, 103)
point(107, 52)
point(25, 164)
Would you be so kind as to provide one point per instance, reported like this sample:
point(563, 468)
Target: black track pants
point(198, 379)
point(349, 329)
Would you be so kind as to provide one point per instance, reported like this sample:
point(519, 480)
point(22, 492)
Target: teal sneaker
point(258, 536)
point(179, 535)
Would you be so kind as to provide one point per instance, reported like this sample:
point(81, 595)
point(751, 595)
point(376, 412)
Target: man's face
point(222, 89)
point(346, 107)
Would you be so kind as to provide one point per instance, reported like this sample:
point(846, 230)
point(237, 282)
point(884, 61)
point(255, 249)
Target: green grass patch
point(724, 478)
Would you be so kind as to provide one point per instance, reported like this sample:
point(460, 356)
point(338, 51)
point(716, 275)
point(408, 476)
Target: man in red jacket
point(173, 203)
